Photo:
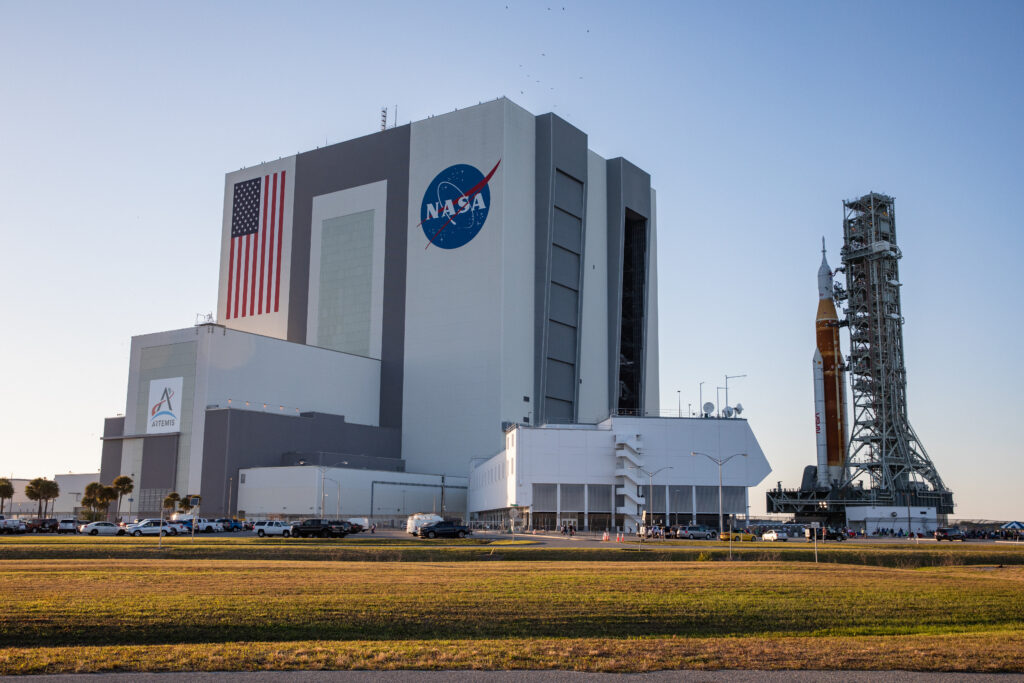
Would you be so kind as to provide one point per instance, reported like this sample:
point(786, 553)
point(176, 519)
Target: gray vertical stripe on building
point(365, 160)
point(561, 177)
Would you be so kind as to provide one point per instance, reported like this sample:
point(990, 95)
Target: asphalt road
point(526, 677)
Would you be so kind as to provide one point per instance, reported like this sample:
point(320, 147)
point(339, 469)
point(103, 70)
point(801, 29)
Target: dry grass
point(613, 616)
point(988, 652)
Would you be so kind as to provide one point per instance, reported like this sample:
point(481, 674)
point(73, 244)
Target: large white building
point(397, 302)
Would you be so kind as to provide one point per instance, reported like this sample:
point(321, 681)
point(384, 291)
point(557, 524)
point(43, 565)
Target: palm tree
point(6, 492)
point(171, 501)
point(33, 491)
point(123, 485)
point(49, 491)
point(184, 504)
point(107, 495)
point(91, 498)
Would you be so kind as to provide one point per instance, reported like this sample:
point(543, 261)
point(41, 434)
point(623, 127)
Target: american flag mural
point(254, 265)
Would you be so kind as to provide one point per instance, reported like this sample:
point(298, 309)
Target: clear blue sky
point(119, 120)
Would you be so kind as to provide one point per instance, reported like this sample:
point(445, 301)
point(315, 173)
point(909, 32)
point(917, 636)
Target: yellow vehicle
point(737, 536)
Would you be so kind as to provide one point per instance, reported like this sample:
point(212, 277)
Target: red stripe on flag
point(238, 278)
point(280, 223)
point(231, 275)
point(245, 276)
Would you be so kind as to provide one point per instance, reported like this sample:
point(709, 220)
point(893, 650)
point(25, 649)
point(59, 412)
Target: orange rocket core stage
point(827, 332)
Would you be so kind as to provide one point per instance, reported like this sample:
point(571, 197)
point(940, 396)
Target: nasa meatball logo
point(455, 205)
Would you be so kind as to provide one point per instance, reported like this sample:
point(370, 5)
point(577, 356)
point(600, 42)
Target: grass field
point(370, 549)
point(169, 614)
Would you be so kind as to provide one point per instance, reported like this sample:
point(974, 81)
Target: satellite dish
point(738, 408)
point(727, 411)
point(709, 408)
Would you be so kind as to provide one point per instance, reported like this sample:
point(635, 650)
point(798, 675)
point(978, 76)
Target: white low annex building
point(600, 476)
point(385, 497)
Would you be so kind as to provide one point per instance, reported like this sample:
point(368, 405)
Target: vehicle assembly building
point(394, 305)
point(886, 478)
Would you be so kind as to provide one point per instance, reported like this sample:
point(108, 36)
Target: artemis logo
point(164, 405)
point(455, 205)
point(817, 423)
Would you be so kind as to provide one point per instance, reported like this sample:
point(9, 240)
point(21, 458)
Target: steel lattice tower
point(883, 446)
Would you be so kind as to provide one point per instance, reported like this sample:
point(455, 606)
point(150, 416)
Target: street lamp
point(720, 462)
point(650, 490)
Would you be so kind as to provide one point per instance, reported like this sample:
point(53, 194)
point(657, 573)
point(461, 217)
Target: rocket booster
point(829, 383)
point(819, 419)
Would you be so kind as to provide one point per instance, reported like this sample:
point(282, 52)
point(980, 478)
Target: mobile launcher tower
point(885, 467)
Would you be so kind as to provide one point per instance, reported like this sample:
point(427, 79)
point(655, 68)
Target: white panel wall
point(296, 491)
point(518, 276)
point(372, 197)
point(270, 324)
point(594, 404)
point(458, 381)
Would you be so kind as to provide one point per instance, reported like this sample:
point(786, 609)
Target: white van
point(413, 524)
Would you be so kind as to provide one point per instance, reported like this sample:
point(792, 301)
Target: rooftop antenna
point(383, 118)
point(395, 123)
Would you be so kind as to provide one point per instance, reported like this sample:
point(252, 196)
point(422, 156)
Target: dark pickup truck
point(41, 526)
point(450, 529)
point(324, 528)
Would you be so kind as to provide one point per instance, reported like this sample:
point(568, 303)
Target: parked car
point(775, 535)
point(41, 526)
point(695, 531)
point(67, 526)
point(442, 529)
point(203, 525)
point(12, 526)
point(149, 527)
point(101, 529)
point(230, 524)
point(273, 527)
point(737, 536)
point(324, 528)
point(249, 525)
point(949, 534)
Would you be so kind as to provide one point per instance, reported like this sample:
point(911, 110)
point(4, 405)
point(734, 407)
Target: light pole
point(727, 378)
point(679, 398)
point(650, 490)
point(719, 462)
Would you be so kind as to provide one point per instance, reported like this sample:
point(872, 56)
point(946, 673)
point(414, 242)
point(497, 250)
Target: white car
point(67, 526)
point(273, 527)
point(774, 535)
point(101, 529)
